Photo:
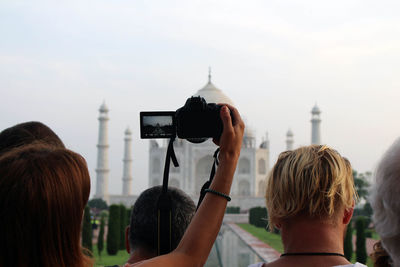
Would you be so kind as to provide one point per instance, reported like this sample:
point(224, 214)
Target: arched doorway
point(244, 188)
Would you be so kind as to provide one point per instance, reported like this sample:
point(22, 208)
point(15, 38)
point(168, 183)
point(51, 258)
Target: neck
point(312, 235)
point(140, 254)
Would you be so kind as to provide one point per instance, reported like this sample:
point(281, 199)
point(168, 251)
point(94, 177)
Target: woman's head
point(313, 181)
point(385, 201)
point(27, 133)
point(43, 191)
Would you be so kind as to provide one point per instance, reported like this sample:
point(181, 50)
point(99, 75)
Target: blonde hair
point(312, 180)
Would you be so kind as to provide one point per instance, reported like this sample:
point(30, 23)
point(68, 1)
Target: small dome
point(289, 133)
point(128, 131)
point(315, 110)
point(103, 107)
point(213, 95)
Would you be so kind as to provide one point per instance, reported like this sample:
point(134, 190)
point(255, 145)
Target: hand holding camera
point(232, 135)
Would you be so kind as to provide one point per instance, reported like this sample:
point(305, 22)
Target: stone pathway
point(265, 252)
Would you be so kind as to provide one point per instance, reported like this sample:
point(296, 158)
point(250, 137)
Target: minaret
point(265, 142)
point(102, 155)
point(127, 173)
point(289, 140)
point(315, 126)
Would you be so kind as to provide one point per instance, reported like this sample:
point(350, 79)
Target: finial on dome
point(315, 109)
point(265, 141)
point(128, 131)
point(209, 74)
point(103, 107)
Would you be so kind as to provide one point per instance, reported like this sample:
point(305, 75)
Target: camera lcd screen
point(159, 124)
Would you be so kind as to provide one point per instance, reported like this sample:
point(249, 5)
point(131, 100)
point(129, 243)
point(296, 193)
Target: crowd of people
point(310, 198)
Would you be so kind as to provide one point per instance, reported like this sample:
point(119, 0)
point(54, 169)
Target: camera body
point(196, 121)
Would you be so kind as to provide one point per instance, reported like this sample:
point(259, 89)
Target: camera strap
point(208, 183)
point(164, 206)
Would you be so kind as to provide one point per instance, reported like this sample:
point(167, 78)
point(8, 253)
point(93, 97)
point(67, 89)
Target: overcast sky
point(59, 60)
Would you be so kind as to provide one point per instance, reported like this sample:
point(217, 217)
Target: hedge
point(113, 234)
point(87, 230)
point(361, 251)
point(348, 243)
point(258, 217)
point(122, 227)
point(232, 210)
point(100, 238)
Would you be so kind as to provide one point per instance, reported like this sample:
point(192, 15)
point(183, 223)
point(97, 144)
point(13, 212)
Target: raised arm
point(195, 246)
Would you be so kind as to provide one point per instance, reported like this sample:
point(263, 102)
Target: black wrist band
point(208, 190)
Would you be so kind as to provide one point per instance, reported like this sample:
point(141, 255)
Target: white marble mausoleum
point(196, 160)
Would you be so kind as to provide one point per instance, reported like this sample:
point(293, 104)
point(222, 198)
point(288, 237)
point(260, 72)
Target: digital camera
point(196, 121)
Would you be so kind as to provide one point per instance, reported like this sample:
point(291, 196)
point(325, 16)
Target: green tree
point(98, 203)
point(361, 184)
point(361, 251)
point(100, 238)
point(87, 230)
point(113, 234)
point(122, 213)
point(348, 242)
point(367, 212)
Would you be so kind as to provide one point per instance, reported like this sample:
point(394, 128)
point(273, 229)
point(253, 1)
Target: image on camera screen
point(157, 124)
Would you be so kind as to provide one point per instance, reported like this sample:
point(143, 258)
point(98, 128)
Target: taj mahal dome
point(195, 161)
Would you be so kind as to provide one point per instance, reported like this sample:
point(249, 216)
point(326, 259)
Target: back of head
point(43, 191)
point(314, 181)
point(28, 133)
point(143, 226)
point(385, 201)
point(379, 256)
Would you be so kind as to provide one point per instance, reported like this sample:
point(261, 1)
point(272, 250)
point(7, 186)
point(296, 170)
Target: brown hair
point(379, 256)
point(312, 180)
point(28, 133)
point(43, 192)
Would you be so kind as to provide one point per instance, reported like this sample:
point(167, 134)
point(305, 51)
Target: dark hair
point(43, 191)
point(143, 226)
point(379, 256)
point(27, 133)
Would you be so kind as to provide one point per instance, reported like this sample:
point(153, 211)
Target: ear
point(348, 213)
point(127, 246)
